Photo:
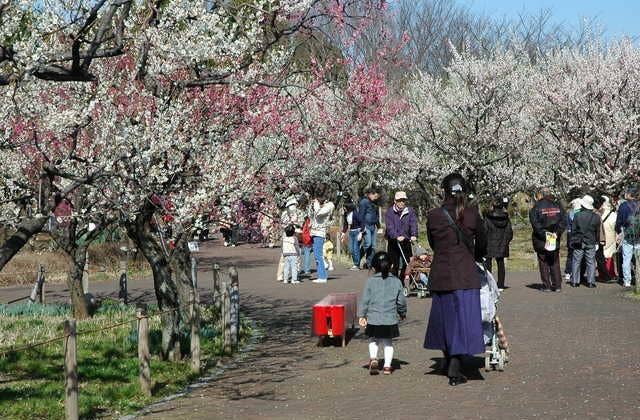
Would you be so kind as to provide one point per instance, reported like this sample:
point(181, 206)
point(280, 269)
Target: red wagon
point(333, 314)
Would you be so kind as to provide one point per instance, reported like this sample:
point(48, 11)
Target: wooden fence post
point(234, 309)
point(195, 332)
point(85, 274)
point(42, 280)
point(37, 291)
point(215, 288)
point(144, 356)
point(123, 292)
point(637, 256)
point(70, 371)
point(226, 318)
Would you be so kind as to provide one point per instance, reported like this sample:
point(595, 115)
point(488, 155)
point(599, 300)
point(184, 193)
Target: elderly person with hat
point(402, 229)
point(585, 239)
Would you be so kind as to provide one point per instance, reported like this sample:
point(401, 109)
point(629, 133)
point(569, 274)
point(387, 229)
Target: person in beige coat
point(608, 235)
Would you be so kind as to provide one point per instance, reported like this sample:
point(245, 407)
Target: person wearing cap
point(499, 236)
point(548, 222)
point(629, 240)
point(402, 229)
point(585, 239)
point(575, 208)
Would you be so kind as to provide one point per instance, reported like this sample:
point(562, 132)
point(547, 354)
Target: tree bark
point(139, 230)
point(77, 261)
point(26, 229)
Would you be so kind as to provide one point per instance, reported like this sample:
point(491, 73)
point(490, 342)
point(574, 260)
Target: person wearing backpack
point(353, 227)
point(628, 230)
point(549, 222)
point(585, 239)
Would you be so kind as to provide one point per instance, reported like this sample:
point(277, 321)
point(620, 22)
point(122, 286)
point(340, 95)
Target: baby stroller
point(418, 282)
point(497, 352)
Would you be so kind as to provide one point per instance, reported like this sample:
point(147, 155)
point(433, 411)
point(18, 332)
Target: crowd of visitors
point(603, 241)
point(598, 236)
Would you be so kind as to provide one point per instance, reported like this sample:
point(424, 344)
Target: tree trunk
point(77, 261)
point(181, 269)
point(14, 244)
point(139, 230)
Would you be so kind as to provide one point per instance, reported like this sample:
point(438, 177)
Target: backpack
point(306, 232)
point(632, 227)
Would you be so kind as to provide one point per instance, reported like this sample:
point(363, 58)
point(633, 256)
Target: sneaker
point(500, 290)
point(355, 268)
point(319, 281)
point(226, 244)
point(295, 282)
point(567, 278)
point(387, 370)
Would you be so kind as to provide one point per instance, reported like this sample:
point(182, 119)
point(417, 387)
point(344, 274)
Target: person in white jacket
point(320, 212)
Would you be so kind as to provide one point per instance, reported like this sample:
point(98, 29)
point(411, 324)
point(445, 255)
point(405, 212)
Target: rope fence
point(225, 297)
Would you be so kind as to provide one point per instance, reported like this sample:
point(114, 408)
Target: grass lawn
point(32, 384)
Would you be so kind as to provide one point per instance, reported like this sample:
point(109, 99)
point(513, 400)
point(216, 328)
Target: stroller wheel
point(487, 362)
point(405, 291)
point(501, 360)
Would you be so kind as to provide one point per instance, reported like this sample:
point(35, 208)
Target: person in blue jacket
point(370, 218)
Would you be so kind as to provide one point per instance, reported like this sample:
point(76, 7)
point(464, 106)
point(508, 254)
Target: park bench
point(332, 316)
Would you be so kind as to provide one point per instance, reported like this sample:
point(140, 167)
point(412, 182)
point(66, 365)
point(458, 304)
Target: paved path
point(574, 354)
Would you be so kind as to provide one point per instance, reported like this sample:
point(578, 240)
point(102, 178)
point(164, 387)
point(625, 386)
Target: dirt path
point(575, 354)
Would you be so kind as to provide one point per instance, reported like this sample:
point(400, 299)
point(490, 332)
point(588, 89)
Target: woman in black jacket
point(499, 235)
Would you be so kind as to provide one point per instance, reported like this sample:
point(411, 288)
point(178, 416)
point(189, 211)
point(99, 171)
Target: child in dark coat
point(499, 236)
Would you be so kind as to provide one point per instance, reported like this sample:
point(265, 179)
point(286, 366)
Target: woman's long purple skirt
point(455, 323)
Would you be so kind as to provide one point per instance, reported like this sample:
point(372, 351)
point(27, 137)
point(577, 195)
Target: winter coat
point(356, 222)
point(382, 300)
point(499, 233)
point(368, 211)
point(401, 223)
point(290, 246)
point(608, 232)
point(625, 211)
point(586, 225)
point(453, 266)
point(320, 216)
point(546, 216)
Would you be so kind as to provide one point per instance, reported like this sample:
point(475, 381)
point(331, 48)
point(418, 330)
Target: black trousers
point(549, 265)
point(501, 270)
point(230, 235)
point(398, 264)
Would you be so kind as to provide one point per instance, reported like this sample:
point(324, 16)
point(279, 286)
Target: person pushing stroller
point(402, 230)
